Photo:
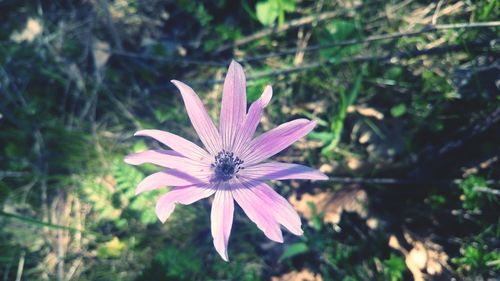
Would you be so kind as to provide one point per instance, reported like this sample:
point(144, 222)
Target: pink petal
point(274, 141)
point(169, 177)
point(252, 119)
point(167, 159)
point(222, 220)
point(257, 210)
point(200, 119)
point(234, 104)
point(281, 171)
point(183, 195)
point(279, 207)
point(177, 143)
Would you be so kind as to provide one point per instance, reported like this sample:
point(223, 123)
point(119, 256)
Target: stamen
point(226, 165)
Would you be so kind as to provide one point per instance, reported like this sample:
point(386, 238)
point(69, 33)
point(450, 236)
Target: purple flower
point(232, 166)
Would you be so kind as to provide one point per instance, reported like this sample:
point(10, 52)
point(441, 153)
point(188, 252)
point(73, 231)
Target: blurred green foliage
point(473, 199)
point(478, 260)
point(269, 10)
point(394, 267)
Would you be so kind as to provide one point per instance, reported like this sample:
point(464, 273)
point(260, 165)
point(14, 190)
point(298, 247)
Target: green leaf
point(336, 31)
point(398, 110)
point(139, 146)
point(394, 267)
point(267, 12)
point(111, 249)
point(394, 72)
point(321, 136)
point(293, 250)
point(472, 199)
point(317, 219)
point(337, 123)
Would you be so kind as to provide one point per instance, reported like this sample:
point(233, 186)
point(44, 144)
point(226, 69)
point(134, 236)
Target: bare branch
point(277, 29)
point(373, 38)
point(110, 25)
point(20, 266)
point(369, 39)
point(384, 58)
point(402, 181)
point(164, 59)
point(484, 189)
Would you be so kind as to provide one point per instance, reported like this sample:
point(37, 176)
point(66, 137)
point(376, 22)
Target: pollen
point(226, 165)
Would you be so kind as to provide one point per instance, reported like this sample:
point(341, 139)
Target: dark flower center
point(226, 165)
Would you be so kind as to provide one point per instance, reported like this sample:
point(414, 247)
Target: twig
point(478, 128)
point(6, 271)
point(373, 38)
point(42, 223)
point(277, 29)
point(124, 109)
point(432, 158)
point(13, 174)
point(369, 39)
point(162, 59)
point(436, 12)
point(20, 267)
point(401, 181)
point(383, 58)
point(487, 190)
point(482, 164)
point(60, 255)
point(111, 26)
point(73, 269)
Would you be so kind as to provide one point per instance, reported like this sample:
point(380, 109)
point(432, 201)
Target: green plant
point(394, 267)
point(337, 120)
point(472, 199)
point(294, 250)
point(269, 10)
point(476, 259)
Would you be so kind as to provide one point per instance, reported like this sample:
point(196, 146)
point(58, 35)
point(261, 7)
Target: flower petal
point(177, 143)
point(222, 220)
point(279, 207)
point(183, 195)
point(252, 120)
point(200, 119)
point(253, 205)
point(168, 177)
point(167, 159)
point(274, 141)
point(234, 104)
point(281, 171)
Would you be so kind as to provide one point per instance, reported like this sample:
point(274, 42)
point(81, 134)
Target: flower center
point(226, 165)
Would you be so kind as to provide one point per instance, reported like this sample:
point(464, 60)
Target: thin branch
point(388, 57)
point(369, 39)
point(428, 155)
point(484, 189)
point(401, 181)
point(436, 12)
point(357, 59)
point(476, 129)
point(42, 223)
point(124, 109)
point(277, 29)
point(12, 174)
point(110, 25)
point(20, 267)
point(433, 158)
point(163, 59)
point(373, 38)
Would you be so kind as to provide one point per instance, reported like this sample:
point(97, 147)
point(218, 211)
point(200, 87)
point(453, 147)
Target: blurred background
point(406, 94)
